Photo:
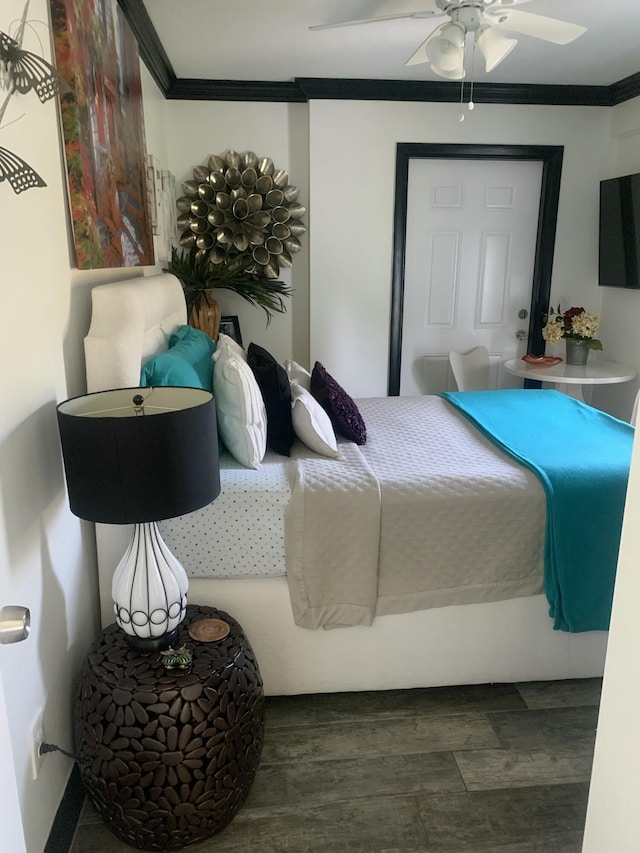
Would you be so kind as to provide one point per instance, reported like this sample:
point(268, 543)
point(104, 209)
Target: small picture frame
point(230, 325)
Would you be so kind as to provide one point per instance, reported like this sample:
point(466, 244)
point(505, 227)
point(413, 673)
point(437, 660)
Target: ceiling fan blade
point(419, 55)
point(537, 26)
point(427, 13)
point(494, 47)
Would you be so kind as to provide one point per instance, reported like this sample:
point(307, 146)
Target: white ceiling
point(269, 40)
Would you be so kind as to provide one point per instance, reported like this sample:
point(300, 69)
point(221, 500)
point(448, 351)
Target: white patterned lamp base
point(149, 590)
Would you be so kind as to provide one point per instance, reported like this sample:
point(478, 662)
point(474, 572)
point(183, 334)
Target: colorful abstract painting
point(103, 129)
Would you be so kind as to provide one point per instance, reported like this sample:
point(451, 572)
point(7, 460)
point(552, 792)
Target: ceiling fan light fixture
point(456, 74)
point(494, 47)
point(445, 49)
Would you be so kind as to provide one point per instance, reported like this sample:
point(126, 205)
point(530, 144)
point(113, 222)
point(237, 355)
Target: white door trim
point(551, 157)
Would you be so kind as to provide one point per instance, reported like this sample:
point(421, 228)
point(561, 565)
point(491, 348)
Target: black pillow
point(274, 385)
point(343, 412)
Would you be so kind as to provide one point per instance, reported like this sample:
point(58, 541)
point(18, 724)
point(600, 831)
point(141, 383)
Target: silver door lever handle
point(15, 624)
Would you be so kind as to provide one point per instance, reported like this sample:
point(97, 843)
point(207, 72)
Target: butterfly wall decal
point(18, 172)
point(22, 71)
point(25, 71)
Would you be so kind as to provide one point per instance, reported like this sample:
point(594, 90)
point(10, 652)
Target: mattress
point(240, 534)
point(457, 520)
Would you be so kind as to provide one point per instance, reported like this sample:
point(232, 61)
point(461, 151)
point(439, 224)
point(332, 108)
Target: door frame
point(551, 158)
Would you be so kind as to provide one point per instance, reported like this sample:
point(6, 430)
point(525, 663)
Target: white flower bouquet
point(575, 324)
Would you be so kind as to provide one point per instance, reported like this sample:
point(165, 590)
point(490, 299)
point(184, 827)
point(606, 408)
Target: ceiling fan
point(444, 49)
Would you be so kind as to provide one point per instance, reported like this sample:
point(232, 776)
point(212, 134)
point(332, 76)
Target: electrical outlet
point(36, 739)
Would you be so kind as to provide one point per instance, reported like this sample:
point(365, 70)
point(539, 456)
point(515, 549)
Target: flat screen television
point(619, 256)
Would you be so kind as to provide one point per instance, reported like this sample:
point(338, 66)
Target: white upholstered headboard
point(131, 320)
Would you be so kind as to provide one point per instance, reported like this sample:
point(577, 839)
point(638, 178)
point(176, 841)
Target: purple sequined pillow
point(343, 412)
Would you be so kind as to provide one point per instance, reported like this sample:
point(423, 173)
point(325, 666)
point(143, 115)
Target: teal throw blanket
point(582, 457)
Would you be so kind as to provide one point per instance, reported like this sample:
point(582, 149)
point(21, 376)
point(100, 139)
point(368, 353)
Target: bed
point(489, 625)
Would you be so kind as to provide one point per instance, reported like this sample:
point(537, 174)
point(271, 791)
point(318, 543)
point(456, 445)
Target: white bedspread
point(331, 541)
point(459, 521)
point(428, 513)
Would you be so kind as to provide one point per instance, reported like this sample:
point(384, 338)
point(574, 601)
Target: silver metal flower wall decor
point(241, 205)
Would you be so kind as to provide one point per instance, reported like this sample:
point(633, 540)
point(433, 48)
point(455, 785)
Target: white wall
point(620, 317)
point(196, 129)
point(612, 817)
point(341, 155)
point(352, 184)
point(47, 559)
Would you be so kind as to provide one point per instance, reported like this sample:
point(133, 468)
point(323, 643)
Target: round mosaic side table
point(168, 757)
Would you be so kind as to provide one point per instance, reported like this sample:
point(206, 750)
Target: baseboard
point(68, 814)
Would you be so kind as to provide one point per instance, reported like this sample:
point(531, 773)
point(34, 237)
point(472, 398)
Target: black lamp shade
point(125, 468)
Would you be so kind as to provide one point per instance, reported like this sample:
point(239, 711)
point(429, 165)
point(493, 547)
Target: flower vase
point(577, 352)
point(205, 314)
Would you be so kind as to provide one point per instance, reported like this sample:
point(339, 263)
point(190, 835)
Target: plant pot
point(577, 352)
point(205, 314)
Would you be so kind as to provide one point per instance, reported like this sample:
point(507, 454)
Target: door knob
point(15, 624)
point(523, 313)
point(521, 335)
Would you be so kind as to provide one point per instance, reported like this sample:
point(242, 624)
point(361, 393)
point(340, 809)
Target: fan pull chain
point(461, 114)
point(471, 105)
point(473, 56)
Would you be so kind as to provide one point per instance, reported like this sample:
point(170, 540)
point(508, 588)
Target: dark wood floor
point(481, 769)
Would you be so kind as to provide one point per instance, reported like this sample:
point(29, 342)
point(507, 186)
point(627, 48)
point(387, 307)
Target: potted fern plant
point(200, 278)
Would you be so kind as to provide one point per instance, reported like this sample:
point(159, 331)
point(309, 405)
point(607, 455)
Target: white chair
point(634, 411)
point(470, 369)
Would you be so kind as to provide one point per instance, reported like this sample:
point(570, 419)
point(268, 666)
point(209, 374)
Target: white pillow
point(297, 373)
point(240, 411)
point(234, 346)
point(311, 423)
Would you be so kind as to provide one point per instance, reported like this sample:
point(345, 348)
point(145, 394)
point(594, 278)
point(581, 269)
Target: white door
point(470, 252)
point(11, 834)
point(14, 628)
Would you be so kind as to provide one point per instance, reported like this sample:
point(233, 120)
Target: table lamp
point(137, 456)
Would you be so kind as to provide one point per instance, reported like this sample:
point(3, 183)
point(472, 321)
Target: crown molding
point(195, 89)
point(151, 50)
point(309, 88)
point(626, 89)
point(483, 93)
point(303, 89)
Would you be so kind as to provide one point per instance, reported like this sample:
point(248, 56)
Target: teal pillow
point(186, 363)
